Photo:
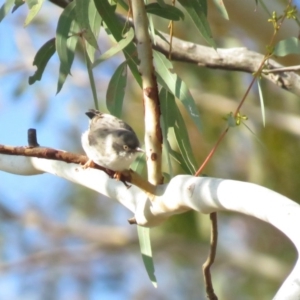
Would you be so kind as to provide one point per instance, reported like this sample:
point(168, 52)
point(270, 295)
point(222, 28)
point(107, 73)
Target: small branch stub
point(32, 138)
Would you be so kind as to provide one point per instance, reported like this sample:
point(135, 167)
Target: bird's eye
point(125, 147)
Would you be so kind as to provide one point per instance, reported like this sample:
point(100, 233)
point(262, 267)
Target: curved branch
point(182, 193)
point(233, 59)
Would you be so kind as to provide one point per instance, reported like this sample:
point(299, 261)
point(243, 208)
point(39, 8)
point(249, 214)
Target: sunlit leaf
point(66, 41)
point(107, 13)
point(95, 24)
point(34, 8)
point(117, 48)
point(89, 22)
point(176, 86)
point(167, 11)
point(221, 8)
point(18, 3)
point(173, 119)
point(116, 90)
point(5, 8)
point(41, 59)
point(165, 123)
point(261, 100)
point(288, 46)
point(197, 10)
point(145, 245)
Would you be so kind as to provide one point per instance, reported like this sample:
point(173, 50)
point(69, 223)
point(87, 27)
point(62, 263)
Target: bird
point(109, 142)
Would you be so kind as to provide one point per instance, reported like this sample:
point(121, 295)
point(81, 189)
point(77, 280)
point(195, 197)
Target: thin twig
point(211, 257)
point(283, 69)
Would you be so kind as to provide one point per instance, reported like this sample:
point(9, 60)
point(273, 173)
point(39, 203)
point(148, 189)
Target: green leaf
point(151, 28)
point(221, 8)
point(182, 138)
point(66, 41)
point(261, 100)
point(167, 11)
point(123, 43)
point(18, 3)
point(5, 8)
point(41, 59)
point(176, 86)
point(197, 10)
point(161, 3)
point(113, 24)
point(166, 121)
point(139, 165)
point(173, 119)
point(95, 24)
point(289, 46)
point(116, 90)
point(34, 8)
point(145, 245)
point(89, 22)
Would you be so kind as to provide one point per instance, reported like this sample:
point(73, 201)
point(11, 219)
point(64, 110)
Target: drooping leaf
point(66, 41)
point(34, 8)
point(108, 15)
point(117, 48)
point(165, 123)
point(173, 119)
point(18, 3)
point(176, 86)
point(5, 8)
point(261, 100)
point(116, 90)
point(145, 245)
point(288, 46)
point(151, 28)
point(197, 10)
point(41, 59)
point(221, 8)
point(167, 11)
point(89, 23)
point(95, 24)
point(183, 142)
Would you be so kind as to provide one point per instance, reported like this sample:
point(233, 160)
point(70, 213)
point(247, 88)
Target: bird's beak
point(138, 149)
point(92, 113)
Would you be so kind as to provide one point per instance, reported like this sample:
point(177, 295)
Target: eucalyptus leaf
point(197, 10)
point(66, 42)
point(95, 21)
point(173, 119)
point(176, 86)
point(221, 8)
point(34, 8)
point(261, 100)
point(288, 46)
point(116, 90)
point(41, 59)
point(107, 13)
point(145, 245)
point(83, 12)
point(18, 3)
point(5, 8)
point(117, 48)
point(167, 11)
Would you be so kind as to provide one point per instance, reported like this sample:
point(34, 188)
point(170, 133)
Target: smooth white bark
point(182, 193)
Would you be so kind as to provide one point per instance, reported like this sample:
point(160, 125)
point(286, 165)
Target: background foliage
point(61, 241)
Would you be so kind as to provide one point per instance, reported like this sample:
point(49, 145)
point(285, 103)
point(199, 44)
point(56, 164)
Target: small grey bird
point(109, 142)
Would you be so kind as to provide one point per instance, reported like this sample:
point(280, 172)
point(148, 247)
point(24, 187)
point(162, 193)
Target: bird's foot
point(119, 176)
point(88, 164)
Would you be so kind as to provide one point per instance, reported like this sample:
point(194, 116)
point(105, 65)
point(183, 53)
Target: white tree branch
point(182, 193)
point(233, 59)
